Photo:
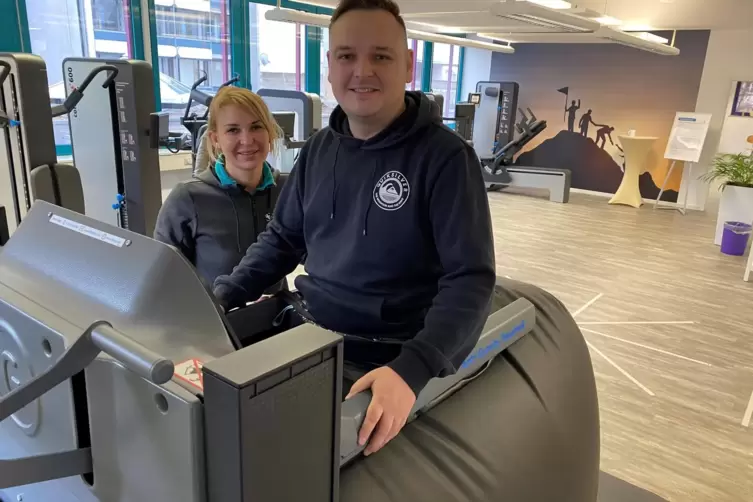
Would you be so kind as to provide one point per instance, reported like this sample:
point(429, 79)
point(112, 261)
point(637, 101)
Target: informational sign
point(88, 231)
point(688, 136)
point(190, 372)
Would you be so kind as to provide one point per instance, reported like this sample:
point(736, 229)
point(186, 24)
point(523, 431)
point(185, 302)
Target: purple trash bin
point(735, 237)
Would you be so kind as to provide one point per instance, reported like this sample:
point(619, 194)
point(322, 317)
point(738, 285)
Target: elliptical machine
point(197, 124)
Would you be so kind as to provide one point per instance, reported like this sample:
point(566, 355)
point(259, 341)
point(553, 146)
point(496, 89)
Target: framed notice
point(687, 136)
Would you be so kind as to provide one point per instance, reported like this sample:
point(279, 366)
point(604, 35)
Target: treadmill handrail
point(78, 93)
point(100, 337)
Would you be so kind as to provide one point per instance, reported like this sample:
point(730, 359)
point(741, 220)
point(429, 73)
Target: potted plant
point(734, 172)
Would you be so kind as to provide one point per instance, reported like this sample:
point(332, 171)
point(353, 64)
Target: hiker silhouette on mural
point(602, 133)
point(571, 115)
point(585, 121)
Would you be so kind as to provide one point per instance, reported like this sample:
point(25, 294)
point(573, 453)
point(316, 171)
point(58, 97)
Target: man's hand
point(391, 402)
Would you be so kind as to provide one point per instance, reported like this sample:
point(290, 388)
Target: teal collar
point(267, 178)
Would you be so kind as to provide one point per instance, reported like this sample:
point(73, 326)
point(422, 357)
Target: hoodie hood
point(416, 116)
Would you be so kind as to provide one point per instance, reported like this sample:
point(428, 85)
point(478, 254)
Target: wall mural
point(606, 90)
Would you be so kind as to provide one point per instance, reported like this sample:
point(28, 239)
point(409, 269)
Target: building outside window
point(277, 52)
point(192, 41)
point(444, 75)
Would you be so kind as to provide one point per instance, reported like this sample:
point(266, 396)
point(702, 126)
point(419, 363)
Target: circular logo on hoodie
point(391, 191)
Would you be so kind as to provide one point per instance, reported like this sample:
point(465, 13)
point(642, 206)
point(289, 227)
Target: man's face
point(369, 63)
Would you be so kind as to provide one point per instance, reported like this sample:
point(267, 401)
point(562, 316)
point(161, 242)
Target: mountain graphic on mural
point(592, 168)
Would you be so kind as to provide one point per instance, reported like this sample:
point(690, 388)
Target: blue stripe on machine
point(493, 345)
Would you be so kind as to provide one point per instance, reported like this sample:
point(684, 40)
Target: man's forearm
point(266, 262)
point(451, 329)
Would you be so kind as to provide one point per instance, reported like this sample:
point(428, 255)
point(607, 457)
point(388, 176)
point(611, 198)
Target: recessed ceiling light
point(609, 21)
point(651, 37)
point(553, 4)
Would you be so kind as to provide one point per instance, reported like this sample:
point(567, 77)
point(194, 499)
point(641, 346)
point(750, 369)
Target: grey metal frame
point(110, 141)
point(24, 97)
point(126, 307)
point(555, 181)
point(306, 106)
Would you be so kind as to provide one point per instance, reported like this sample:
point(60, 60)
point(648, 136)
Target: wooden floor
point(673, 392)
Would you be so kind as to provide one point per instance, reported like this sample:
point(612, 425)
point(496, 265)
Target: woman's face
point(241, 138)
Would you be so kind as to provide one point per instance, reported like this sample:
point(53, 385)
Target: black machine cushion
point(526, 430)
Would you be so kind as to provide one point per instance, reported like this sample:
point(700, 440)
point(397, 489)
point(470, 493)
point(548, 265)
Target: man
point(602, 133)
point(390, 209)
point(571, 110)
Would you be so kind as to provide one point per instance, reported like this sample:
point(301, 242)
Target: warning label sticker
point(190, 372)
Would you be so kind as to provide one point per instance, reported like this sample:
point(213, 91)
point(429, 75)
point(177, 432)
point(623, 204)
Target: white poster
point(687, 137)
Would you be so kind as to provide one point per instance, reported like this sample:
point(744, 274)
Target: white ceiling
point(473, 15)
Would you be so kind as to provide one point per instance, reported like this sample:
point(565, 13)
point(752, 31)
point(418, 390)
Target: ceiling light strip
point(538, 15)
point(296, 16)
point(636, 42)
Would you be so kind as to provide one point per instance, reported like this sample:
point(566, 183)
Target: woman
point(214, 218)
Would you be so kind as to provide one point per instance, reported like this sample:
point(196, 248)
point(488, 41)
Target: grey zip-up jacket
point(213, 225)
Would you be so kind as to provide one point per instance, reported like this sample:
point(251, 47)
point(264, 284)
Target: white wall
point(728, 59)
point(477, 67)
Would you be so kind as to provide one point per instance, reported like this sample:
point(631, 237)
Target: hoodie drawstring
point(371, 199)
point(334, 181)
point(237, 222)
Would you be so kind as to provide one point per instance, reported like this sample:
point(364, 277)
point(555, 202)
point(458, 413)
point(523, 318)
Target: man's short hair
point(346, 6)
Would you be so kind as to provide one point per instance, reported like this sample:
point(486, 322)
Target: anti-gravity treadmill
point(121, 380)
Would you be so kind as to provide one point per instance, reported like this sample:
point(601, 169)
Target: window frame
point(141, 32)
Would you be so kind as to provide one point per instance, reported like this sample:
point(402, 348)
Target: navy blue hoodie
point(397, 236)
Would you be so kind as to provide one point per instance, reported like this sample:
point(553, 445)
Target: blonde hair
point(251, 103)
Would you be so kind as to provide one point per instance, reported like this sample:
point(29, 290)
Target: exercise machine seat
point(58, 184)
point(527, 429)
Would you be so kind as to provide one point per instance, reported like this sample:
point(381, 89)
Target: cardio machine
point(115, 138)
point(122, 380)
point(495, 143)
point(197, 124)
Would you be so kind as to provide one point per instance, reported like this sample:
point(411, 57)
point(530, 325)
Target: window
point(444, 75)
point(329, 103)
point(418, 64)
point(108, 15)
point(277, 52)
point(192, 42)
point(59, 30)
